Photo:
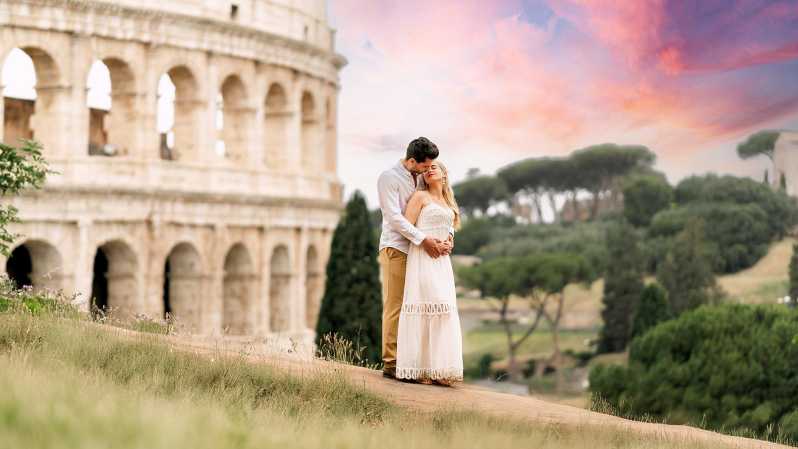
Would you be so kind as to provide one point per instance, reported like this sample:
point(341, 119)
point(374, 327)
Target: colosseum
point(204, 187)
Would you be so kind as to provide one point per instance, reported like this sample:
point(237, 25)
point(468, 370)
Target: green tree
point(477, 194)
point(477, 232)
point(643, 197)
point(780, 210)
point(729, 368)
point(352, 303)
point(601, 167)
point(540, 279)
point(739, 235)
point(794, 273)
point(686, 273)
point(20, 168)
point(760, 143)
point(651, 310)
point(623, 283)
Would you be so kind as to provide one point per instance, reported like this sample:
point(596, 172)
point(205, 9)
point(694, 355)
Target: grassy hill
point(68, 383)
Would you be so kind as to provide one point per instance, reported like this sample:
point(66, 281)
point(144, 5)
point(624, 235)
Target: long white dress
point(430, 341)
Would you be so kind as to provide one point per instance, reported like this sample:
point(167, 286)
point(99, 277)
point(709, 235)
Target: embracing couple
point(421, 338)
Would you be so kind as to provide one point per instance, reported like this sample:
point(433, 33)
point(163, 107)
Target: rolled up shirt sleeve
point(388, 190)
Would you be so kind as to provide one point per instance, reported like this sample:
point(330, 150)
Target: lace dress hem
point(448, 374)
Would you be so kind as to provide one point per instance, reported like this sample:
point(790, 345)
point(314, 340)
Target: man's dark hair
point(421, 149)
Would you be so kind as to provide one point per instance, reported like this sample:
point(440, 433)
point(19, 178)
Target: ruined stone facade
point(230, 244)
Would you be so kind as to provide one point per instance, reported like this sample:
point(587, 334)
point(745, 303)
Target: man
point(395, 187)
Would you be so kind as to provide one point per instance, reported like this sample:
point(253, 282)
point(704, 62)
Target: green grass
point(67, 383)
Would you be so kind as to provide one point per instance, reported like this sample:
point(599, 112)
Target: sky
point(491, 82)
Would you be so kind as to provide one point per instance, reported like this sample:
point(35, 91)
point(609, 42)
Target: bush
point(731, 368)
point(737, 235)
point(643, 197)
point(478, 232)
point(781, 212)
point(34, 302)
point(652, 309)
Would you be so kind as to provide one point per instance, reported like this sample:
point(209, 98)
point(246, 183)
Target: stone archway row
point(124, 129)
point(116, 283)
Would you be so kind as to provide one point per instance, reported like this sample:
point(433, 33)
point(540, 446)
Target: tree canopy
point(760, 143)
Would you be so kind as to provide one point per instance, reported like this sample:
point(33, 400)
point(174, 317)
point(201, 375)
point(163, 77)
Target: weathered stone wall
point(229, 244)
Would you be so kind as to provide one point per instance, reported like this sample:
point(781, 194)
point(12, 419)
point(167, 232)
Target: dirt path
point(472, 398)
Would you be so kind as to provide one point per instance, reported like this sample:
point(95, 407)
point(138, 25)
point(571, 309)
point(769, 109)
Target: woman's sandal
point(444, 382)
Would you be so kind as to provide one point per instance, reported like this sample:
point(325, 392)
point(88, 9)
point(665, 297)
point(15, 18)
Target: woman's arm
point(414, 206)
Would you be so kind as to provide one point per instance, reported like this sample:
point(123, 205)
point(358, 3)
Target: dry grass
point(67, 384)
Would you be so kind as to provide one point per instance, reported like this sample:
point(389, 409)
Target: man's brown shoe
point(390, 373)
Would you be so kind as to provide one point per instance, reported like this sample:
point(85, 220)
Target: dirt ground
point(465, 397)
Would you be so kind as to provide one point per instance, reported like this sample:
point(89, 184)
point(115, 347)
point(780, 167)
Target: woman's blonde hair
point(448, 195)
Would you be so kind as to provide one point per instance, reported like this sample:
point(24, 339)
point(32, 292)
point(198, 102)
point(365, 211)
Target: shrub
point(651, 310)
point(730, 368)
point(737, 236)
point(643, 197)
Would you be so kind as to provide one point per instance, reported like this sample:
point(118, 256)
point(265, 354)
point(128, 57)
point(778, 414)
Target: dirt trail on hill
point(464, 397)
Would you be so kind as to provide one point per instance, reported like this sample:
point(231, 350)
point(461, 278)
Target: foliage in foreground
point(69, 383)
point(730, 368)
point(20, 168)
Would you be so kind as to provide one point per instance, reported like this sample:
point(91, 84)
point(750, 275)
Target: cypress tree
point(686, 273)
point(623, 283)
point(352, 304)
point(652, 309)
point(794, 273)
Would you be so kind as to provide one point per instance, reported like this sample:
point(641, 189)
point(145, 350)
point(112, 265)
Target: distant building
point(785, 162)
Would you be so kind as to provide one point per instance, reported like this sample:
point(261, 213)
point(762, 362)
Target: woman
point(429, 348)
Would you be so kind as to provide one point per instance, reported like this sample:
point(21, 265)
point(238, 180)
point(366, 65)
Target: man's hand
point(432, 247)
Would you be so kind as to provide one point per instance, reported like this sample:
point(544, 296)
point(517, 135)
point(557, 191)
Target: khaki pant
point(392, 266)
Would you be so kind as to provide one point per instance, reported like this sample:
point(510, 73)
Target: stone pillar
point(154, 269)
point(84, 264)
point(293, 133)
point(215, 307)
point(75, 134)
point(54, 113)
point(264, 268)
point(147, 111)
point(299, 302)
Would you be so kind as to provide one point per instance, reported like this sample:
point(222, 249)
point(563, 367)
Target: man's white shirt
point(395, 186)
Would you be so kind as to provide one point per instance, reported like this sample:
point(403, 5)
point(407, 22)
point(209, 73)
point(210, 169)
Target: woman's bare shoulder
point(420, 197)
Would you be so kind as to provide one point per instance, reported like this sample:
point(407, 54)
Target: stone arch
point(277, 118)
point(280, 290)
point(235, 117)
point(31, 114)
point(311, 132)
point(314, 287)
point(115, 281)
point(179, 101)
point(239, 287)
point(36, 263)
point(183, 289)
point(112, 119)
